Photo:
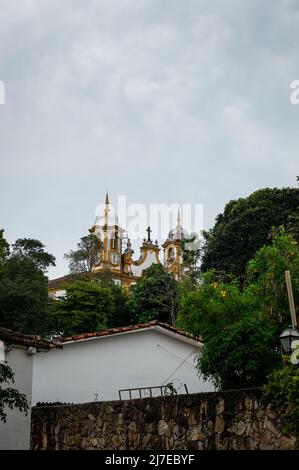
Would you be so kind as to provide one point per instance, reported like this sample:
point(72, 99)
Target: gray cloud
point(164, 101)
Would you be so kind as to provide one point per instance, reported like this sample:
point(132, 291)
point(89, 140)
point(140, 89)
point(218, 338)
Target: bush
point(282, 390)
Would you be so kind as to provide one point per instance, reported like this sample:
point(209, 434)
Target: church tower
point(110, 234)
point(173, 251)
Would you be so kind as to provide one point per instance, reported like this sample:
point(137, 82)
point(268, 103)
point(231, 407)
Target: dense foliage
point(241, 327)
point(282, 391)
point(244, 227)
point(242, 355)
point(154, 296)
point(265, 276)
point(28, 248)
point(23, 296)
point(4, 248)
point(89, 306)
point(24, 287)
point(85, 307)
point(85, 258)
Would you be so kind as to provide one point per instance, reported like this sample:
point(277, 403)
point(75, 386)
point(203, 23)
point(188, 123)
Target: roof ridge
point(129, 328)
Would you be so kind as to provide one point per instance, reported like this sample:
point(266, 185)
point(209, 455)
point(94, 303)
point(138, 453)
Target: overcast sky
point(159, 100)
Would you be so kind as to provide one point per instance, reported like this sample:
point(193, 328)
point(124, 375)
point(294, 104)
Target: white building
point(96, 366)
point(18, 350)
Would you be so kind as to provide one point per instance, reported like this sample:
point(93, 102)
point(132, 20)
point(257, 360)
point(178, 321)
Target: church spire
point(178, 223)
point(107, 198)
point(107, 210)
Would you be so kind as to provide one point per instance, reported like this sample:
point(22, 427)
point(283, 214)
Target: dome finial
point(178, 224)
point(107, 210)
point(107, 198)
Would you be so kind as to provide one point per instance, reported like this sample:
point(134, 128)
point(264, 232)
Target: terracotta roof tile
point(126, 329)
point(15, 337)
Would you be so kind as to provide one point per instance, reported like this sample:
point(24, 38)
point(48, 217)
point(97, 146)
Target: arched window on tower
point(170, 254)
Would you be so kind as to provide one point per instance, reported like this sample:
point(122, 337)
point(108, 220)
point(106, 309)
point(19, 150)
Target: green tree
point(211, 305)
point(241, 327)
point(87, 306)
point(9, 396)
point(241, 354)
point(87, 256)
point(121, 314)
point(23, 296)
point(23, 286)
point(244, 227)
point(282, 391)
point(4, 248)
point(34, 250)
point(265, 276)
point(191, 260)
point(154, 296)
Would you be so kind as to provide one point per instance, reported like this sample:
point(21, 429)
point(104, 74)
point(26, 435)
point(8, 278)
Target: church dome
point(178, 233)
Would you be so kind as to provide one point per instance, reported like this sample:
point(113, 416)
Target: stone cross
point(148, 234)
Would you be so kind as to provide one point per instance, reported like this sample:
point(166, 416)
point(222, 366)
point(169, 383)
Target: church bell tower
point(110, 233)
point(173, 252)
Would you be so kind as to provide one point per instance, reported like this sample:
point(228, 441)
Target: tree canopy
point(241, 327)
point(265, 276)
point(35, 251)
point(154, 296)
point(24, 287)
point(242, 354)
point(85, 258)
point(121, 314)
point(282, 391)
point(4, 248)
point(244, 227)
point(90, 306)
point(85, 307)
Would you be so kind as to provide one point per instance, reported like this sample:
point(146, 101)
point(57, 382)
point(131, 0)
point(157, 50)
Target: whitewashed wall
point(15, 433)
point(98, 368)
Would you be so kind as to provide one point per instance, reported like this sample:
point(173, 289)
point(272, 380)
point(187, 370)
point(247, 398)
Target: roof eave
point(196, 342)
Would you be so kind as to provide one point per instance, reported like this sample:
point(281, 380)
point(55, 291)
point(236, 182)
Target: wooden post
point(291, 298)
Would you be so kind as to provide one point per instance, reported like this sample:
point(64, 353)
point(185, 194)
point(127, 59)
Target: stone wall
point(228, 420)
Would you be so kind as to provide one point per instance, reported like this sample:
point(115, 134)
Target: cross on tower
point(148, 234)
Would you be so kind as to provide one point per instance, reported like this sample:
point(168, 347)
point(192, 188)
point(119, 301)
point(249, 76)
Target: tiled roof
point(15, 337)
point(131, 328)
point(60, 281)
